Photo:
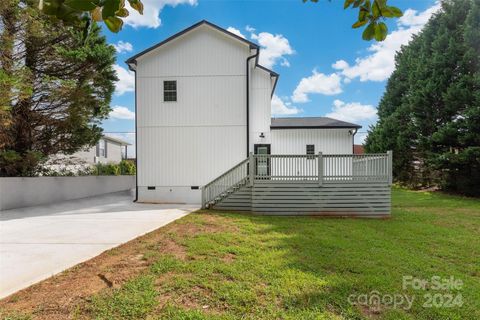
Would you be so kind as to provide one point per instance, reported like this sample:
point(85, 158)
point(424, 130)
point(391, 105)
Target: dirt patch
point(59, 296)
point(229, 258)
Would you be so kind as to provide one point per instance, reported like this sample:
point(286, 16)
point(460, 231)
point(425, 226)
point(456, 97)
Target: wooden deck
point(330, 185)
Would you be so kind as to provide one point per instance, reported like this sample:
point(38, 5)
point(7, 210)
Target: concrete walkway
point(38, 242)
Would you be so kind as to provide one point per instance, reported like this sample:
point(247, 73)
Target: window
point(169, 90)
point(311, 150)
point(101, 149)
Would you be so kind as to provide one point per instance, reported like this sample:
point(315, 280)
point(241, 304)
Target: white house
point(203, 103)
point(108, 149)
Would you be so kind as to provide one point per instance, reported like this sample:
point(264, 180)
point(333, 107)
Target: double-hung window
point(169, 91)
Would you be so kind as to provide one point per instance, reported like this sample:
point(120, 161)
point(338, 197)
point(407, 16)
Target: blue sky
point(325, 68)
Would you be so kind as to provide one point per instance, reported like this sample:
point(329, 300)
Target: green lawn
point(236, 266)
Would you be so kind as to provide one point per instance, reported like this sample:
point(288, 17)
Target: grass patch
point(216, 265)
point(135, 300)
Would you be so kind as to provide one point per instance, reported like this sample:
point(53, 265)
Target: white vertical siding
point(114, 151)
point(193, 140)
point(328, 141)
point(200, 52)
point(260, 106)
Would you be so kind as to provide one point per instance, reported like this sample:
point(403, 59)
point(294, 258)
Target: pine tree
point(429, 114)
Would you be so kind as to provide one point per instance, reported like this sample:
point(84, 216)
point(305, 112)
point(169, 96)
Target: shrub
point(127, 167)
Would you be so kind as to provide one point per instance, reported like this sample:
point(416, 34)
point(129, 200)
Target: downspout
point(248, 97)
point(136, 130)
point(353, 141)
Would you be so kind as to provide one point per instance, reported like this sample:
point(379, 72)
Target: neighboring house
point(358, 149)
point(203, 104)
point(108, 149)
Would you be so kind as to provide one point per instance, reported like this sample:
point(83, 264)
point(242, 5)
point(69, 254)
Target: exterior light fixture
point(261, 135)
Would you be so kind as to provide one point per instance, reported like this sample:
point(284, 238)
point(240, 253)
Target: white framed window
point(102, 148)
point(170, 91)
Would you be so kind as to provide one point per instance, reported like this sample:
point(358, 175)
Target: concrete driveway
point(38, 242)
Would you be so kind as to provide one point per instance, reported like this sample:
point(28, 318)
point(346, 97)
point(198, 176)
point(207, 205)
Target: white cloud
point(352, 112)
point(250, 29)
point(340, 64)
point(235, 31)
point(317, 83)
point(380, 63)
point(123, 46)
point(126, 80)
point(283, 108)
point(119, 112)
point(414, 18)
point(273, 49)
point(360, 137)
point(151, 12)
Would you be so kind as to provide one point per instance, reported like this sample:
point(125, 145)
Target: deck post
point(252, 168)
point(203, 197)
point(320, 169)
point(390, 166)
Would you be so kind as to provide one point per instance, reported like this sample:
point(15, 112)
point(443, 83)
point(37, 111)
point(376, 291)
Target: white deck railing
point(324, 168)
point(348, 168)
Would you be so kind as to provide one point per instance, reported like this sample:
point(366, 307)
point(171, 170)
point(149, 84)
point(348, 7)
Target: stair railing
point(225, 184)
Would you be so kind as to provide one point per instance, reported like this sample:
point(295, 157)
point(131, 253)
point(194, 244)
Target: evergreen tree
point(59, 87)
point(429, 114)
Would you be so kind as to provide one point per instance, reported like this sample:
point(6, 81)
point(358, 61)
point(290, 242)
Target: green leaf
point(137, 5)
point(369, 32)
point(359, 24)
point(122, 13)
point(381, 31)
point(363, 15)
point(109, 8)
point(82, 5)
point(114, 24)
point(381, 4)
point(347, 3)
point(376, 10)
point(397, 13)
point(357, 3)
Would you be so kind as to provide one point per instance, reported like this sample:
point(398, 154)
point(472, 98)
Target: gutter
point(248, 94)
point(134, 69)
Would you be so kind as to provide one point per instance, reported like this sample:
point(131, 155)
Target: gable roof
point(117, 140)
point(196, 25)
point(311, 123)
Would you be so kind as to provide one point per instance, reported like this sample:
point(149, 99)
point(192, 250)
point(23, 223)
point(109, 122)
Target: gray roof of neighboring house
point(311, 123)
point(117, 140)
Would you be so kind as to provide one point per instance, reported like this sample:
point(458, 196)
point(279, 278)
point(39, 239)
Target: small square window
point(169, 90)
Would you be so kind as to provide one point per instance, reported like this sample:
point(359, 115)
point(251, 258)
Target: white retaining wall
point(27, 192)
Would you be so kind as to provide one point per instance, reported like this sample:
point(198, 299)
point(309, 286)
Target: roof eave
point(315, 127)
point(178, 34)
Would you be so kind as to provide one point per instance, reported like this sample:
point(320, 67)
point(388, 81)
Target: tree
point(430, 112)
point(83, 12)
point(58, 87)
point(370, 14)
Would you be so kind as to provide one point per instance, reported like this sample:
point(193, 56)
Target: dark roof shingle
point(310, 123)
